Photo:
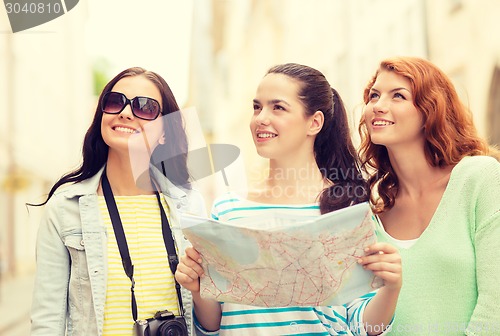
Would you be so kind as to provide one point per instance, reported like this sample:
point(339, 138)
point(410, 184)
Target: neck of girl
point(123, 179)
point(294, 182)
point(415, 174)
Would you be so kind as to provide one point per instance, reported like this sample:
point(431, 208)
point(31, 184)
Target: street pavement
point(15, 304)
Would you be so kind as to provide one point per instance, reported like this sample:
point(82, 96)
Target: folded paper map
point(278, 260)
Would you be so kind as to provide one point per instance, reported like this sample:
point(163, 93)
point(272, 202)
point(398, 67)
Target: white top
point(405, 243)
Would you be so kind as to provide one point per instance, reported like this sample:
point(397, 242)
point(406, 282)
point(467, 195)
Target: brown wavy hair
point(449, 130)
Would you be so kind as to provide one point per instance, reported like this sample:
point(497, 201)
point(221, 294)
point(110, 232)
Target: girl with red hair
point(436, 192)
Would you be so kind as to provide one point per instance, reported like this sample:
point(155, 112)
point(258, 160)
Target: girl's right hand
point(384, 261)
point(189, 270)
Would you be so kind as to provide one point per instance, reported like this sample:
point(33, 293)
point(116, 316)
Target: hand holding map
point(278, 260)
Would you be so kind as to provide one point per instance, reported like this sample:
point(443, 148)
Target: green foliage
point(100, 74)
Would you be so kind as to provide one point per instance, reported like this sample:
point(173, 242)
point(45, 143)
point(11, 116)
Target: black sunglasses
point(142, 107)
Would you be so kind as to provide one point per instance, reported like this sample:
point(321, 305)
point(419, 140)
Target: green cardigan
point(451, 275)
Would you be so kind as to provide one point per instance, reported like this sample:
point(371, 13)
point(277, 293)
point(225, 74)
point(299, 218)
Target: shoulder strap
point(120, 237)
point(121, 240)
point(173, 259)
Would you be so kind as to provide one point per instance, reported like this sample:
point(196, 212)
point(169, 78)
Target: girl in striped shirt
point(300, 125)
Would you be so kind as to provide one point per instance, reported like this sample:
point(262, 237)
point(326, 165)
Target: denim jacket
point(70, 282)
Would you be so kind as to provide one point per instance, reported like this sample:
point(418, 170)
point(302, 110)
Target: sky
point(154, 34)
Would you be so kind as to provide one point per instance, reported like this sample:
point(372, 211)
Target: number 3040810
point(33, 8)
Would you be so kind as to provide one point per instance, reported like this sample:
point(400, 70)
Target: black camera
point(164, 323)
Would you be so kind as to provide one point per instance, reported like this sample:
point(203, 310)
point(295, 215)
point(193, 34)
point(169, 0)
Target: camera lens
point(172, 328)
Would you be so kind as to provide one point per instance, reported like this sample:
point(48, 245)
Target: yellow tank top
point(154, 282)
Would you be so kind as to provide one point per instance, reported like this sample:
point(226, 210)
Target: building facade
point(464, 41)
point(46, 102)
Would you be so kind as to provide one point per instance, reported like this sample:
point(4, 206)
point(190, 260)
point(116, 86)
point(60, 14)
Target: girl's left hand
point(385, 262)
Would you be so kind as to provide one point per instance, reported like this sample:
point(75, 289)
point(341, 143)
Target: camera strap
point(168, 240)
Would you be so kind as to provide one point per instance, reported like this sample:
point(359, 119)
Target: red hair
point(448, 126)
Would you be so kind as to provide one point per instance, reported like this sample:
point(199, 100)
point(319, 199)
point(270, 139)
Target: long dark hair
point(95, 150)
point(335, 154)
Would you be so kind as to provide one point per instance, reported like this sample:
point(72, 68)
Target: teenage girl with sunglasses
point(81, 287)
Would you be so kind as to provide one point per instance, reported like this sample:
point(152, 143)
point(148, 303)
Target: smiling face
point(390, 114)
point(117, 129)
point(279, 124)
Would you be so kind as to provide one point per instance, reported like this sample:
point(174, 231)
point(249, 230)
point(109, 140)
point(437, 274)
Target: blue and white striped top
point(242, 320)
